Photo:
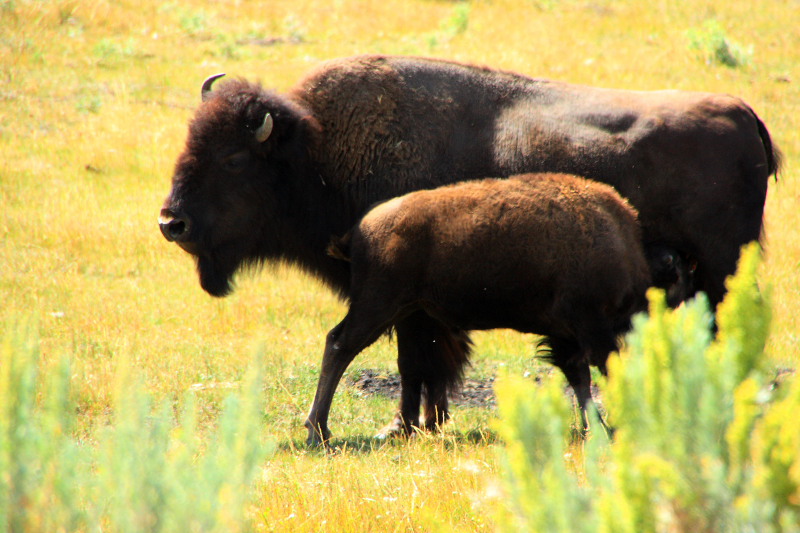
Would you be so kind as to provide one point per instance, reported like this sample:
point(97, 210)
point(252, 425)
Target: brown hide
point(695, 165)
point(550, 254)
point(497, 253)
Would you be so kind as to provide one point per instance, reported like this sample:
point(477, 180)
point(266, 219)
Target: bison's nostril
point(174, 229)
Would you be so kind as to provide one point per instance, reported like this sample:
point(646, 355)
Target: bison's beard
point(215, 276)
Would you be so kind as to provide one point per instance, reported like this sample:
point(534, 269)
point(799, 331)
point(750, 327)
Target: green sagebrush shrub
point(144, 471)
point(715, 47)
point(705, 440)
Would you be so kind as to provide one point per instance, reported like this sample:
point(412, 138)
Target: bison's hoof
point(317, 436)
point(314, 441)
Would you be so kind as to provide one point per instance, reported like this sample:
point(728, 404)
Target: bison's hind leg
point(431, 359)
point(445, 373)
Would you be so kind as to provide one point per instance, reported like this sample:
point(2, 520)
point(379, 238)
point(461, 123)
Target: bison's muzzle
point(175, 227)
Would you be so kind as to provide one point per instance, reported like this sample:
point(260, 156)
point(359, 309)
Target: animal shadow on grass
point(367, 444)
point(474, 393)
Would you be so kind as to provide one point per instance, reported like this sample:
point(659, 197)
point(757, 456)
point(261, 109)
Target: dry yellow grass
point(94, 101)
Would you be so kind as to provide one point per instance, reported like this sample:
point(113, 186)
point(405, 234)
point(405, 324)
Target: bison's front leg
point(436, 405)
point(334, 362)
point(361, 327)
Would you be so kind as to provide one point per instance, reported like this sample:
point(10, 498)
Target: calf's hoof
point(317, 436)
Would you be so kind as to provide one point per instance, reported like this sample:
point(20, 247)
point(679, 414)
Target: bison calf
point(551, 254)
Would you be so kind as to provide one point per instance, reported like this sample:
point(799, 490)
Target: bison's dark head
point(672, 271)
point(225, 206)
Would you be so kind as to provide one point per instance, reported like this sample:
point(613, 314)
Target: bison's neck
point(311, 213)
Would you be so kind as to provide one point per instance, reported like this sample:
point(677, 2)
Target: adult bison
point(267, 176)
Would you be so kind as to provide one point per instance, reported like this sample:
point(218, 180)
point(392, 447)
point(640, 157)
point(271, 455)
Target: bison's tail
point(456, 348)
point(339, 247)
point(774, 155)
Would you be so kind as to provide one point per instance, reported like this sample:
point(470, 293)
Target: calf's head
point(225, 204)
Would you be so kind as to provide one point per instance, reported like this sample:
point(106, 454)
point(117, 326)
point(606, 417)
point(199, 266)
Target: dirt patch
point(473, 393)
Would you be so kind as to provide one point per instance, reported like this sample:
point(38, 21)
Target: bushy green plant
point(545, 494)
point(714, 46)
point(194, 23)
point(703, 440)
point(142, 472)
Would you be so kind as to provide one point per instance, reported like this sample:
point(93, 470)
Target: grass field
point(94, 102)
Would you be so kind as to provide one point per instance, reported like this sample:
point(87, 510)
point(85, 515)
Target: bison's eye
point(237, 161)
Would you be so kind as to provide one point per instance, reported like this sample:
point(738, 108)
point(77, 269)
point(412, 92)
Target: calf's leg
point(360, 328)
point(407, 416)
point(436, 405)
point(432, 355)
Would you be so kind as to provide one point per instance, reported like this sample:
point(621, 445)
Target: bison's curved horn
point(262, 133)
point(205, 91)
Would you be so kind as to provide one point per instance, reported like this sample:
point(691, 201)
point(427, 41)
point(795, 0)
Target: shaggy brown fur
point(550, 254)
point(360, 130)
